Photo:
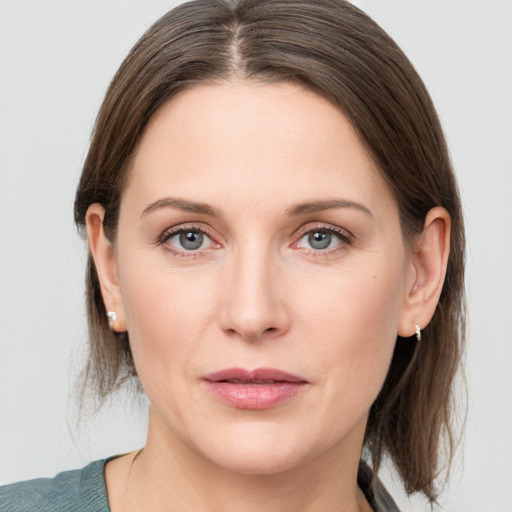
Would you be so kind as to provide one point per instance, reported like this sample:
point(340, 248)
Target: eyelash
point(345, 238)
point(167, 235)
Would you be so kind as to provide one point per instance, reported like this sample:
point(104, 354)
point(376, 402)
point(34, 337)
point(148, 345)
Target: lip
point(257, 389)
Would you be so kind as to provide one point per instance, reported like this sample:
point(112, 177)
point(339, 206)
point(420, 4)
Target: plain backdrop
point(56, 60)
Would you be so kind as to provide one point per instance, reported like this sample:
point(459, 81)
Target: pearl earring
point(418, 332)
point(112, 319)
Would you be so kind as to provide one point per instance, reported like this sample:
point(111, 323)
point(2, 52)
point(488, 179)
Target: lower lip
point(254, 396)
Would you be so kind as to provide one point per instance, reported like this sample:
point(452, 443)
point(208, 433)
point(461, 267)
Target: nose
point(254, 300)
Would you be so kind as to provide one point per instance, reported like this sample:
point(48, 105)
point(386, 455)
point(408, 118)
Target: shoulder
point(80, 489)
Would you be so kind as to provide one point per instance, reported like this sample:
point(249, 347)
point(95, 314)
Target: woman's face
point(255, 233)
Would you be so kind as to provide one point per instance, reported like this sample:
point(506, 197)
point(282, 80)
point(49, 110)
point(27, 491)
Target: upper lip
point(256, 375)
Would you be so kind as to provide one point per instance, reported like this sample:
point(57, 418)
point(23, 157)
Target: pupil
point(319, 239)
point(191, 240)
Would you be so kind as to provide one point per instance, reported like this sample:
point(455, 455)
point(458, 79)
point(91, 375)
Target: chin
point(256, 462)
point(259, 449)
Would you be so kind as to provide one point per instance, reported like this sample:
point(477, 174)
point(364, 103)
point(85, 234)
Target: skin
point(258, 294)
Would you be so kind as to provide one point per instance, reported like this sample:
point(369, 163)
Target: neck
point(169, 475)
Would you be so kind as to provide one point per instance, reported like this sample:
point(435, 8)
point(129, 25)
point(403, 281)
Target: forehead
point(256, 142)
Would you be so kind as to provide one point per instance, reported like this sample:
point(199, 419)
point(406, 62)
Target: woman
point(276, 255)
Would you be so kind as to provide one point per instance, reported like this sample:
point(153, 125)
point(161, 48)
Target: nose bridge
point(253, 306)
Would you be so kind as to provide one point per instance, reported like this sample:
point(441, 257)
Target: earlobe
point(428, 263)
point(102, 252)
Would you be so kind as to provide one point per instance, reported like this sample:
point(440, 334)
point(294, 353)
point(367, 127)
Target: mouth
point(261, 388)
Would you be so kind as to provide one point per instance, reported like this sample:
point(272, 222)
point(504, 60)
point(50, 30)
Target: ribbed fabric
point(83, 490)
point(80, 490)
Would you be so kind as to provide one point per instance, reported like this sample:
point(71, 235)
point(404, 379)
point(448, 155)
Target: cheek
point(362, 305)
point(354, 325)
point(166, 313)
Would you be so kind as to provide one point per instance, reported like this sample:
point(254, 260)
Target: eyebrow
point(318, 206)
point(182, 204)
point(293, 211)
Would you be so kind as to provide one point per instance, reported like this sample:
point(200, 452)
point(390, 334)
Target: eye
point(319, 239)
point(188, 239)
point(323, 239)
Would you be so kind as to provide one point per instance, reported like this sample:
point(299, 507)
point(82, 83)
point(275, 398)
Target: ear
point(102, 251)
point(428, 260)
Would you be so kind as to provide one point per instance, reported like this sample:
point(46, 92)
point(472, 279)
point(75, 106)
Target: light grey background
point(56, 60)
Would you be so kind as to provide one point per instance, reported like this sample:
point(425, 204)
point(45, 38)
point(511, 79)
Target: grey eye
point(191, 240)
point(319, 239)
point(188, 239)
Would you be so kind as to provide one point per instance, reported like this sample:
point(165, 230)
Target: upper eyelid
point(326, 227)
point(183, 227)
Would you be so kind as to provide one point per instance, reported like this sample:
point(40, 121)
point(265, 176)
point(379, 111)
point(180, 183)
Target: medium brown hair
point(330, 47)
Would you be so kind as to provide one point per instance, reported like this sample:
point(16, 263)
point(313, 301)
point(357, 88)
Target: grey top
point(83, 490)
point(70, 491)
